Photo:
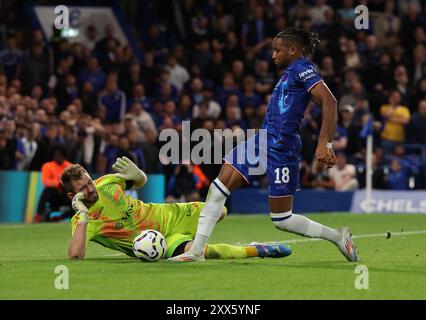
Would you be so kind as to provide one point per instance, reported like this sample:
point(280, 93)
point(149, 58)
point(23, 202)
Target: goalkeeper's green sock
point(227, 251)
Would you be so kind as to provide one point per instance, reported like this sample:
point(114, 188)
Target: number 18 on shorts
point(283, 180)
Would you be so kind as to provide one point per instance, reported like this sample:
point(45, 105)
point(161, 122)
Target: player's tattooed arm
point(322, 96)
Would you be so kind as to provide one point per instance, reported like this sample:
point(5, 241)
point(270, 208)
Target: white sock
point(209, 216)
point(303, 226)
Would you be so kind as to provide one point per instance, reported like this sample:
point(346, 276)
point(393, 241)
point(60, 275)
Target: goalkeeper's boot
point(346, 245)
point(187, 257)
point(267, 250)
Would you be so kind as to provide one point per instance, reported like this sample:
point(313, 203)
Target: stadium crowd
point(210, 62)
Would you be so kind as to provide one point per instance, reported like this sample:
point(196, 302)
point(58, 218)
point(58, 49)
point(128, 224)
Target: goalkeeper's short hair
point(70, 174)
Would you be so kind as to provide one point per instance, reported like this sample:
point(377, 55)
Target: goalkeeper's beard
point(91, 199)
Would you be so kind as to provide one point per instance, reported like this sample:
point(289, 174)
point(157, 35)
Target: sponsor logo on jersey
point(306, 73)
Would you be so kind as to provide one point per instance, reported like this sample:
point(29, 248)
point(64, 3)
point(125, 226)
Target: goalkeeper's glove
point(80, 208)
point(127, 170)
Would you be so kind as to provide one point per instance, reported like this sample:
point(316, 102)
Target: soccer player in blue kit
point(299, 84)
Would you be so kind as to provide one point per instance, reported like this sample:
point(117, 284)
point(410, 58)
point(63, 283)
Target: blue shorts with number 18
point(280, 161)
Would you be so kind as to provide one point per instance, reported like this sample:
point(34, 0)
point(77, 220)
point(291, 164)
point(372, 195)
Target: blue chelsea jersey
point(288, 102)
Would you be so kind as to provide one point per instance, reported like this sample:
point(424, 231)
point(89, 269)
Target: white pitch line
point(369, 235)
point(113, 255)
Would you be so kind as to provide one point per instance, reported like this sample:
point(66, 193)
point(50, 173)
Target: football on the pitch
point(149, 245)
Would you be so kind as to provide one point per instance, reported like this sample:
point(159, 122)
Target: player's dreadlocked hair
point(307, 40)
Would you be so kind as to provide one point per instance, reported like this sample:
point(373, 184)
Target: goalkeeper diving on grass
point(107, 215)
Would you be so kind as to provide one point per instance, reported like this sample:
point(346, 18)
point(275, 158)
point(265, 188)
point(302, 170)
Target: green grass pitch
point(396, 265)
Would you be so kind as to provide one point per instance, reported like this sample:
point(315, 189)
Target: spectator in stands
point(238, 72)
point(398, 176)
point(129, 78)
point(53, 196)
point(184, 110)
point(14, 145)
point(265, 79)
point(403, 86)
point(387, 23)
point(182, 185)
point(149, 71)
point(256, 29)
point(29, 144)
point(102, 44)
point(340, 140)
point(6, 159)
point(164, 89)
point(142, 118)
point(352, 57)
point(151, 152)
point(357, 92)
point(89, 40)
point(419, 60)
point(140, 97)
point(395, 117)
point(228, 87)
point(372, 52)
point(196, 89)
point(35, 69)
point(113, 100)
point(109, 154)
point(89, 99)
point(201, 55)
point(91, 133)
point(232, 50)
point(343, 175)
point(378, 168)
point(249, 96)
point(347, 15)
point(317, 11)
point(416, 129)
point(328, 73)
point(216, 69)
point(411, 19)
point(131, 151)
point(178, 74)
point(93, 74)
point(57, 84)
point(319, 177)
point(421, 88)
point(11, 59)
point(44, 145)
point(353, 129)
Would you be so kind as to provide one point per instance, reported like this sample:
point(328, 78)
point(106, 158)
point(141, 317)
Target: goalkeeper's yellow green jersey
point(116, 218)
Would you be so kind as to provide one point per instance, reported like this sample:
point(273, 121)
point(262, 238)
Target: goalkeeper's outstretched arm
point(129, 171)
point(77, 247)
